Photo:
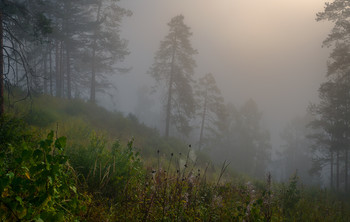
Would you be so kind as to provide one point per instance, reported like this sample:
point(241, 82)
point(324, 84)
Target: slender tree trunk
point(346, 170)
point(2, 110)
point(62, 70)
point(69, 90)
point(168, 107)
point(170, 91)
point(58, 77)
point(93, 65)
point(50, 70)
point(67, 45)
point(16, 67)
point(332, 174)
point(45, 72)
point(203, 120)
point(337, 170)
point(93, 78)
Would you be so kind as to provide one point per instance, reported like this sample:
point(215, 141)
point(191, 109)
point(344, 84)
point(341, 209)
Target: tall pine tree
point(173, 68)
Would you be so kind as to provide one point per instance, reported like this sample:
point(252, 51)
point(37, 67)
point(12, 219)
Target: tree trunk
point(93, 79)
point(337, 170)
point(346, 170)
point(332, 174)
point(69, 90)
point(45, 72)
point(170, 91)
point(93, 65)
point(2, 110)
point(203, 120)
point(50, 70)
point(62, 70)
point(16, 67)
point(168, 107)
point(58, 77)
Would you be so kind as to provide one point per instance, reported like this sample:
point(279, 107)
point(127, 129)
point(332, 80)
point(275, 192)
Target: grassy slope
point(78, 120)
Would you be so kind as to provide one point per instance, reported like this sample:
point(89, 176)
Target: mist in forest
point(268, 51)
point(155, 110)
point(235, 79)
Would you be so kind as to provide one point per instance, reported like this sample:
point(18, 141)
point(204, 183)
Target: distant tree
point(144, 105)
point(106, 47)
point(255, 140)
point(173, 68)
point(209, 102)
point(296, 150)
point(241, 139)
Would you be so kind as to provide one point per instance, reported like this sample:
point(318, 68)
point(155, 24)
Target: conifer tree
point(209, 101)
point(173, 69)
point(105, 44)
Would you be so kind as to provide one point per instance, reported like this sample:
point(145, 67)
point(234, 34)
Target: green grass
point(112, 177)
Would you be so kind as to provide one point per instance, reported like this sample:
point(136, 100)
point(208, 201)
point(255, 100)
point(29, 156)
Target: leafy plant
point(36, 182)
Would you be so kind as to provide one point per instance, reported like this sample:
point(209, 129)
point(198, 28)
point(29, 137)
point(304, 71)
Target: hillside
point(79, 121)
point(90, 175)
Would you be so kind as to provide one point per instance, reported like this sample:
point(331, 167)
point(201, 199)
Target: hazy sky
point(268, 50)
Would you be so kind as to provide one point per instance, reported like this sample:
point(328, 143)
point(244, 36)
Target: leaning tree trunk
point(2, 110)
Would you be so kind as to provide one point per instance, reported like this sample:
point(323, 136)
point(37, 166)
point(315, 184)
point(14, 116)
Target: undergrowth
point(90, 176)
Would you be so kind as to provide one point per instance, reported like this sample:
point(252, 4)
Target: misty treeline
point(197, 108)
point(76, 45)
point(331, 115)
point(319, 141)
point(69, 51)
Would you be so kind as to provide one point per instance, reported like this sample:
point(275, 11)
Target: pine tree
point(105, 44)
point(173, 68)
point(209, 102)
point(333, 111)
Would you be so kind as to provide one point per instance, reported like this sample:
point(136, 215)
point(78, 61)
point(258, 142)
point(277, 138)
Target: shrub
point(36, 183)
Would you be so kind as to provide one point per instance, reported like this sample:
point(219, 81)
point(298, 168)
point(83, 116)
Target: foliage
point(36, 182)
point(106, 172)
point(110, 183)
point(107, 180)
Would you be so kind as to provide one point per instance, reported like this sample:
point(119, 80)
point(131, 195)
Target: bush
point(36, 183)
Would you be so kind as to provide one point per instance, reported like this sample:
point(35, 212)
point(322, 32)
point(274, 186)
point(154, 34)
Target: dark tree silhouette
point(173, 68)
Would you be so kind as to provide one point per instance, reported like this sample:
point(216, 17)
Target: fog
point(172, 110)
point(269, 51)
point(242, 98)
